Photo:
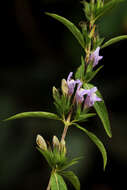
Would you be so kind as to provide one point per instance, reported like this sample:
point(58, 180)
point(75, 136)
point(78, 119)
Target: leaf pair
point(57, 182)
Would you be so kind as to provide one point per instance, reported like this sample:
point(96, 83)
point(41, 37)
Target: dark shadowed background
point(36, 53)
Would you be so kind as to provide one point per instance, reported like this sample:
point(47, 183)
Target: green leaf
point(80, 71)
point(84, 116)
point(89, 67)
point(72, 178)
point(96, 141)
point(101, 110)
point(47, 115)
point(69, 163)
point(63, 105)
point(75, 31)
point(57, 182)
point(90, 75)
point(114, 40)
point(106, 8)
point(87, 9)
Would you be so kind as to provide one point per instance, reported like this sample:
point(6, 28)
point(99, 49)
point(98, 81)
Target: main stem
point(64, 132)
point(66, 126)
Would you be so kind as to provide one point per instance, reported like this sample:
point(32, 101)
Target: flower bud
point(41, 142)
point(63, 146)
point(55, 92)
point(56, 142)
point(64, 87)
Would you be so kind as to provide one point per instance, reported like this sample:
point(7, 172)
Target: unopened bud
point(56, 142)
point(64, 87)
point(55, 92)
point(41, 142)
point(63, 146)
point(62, 142)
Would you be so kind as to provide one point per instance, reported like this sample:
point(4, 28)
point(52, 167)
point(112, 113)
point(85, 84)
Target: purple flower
point(95, 57)
point(80, 92)
point(91, 97)
point(71, 83)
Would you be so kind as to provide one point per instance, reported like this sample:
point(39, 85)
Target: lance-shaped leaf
point(114, 40)
point(36, 114)
point(72, 178)
point(80, 71)
point(96, 141)
point(57, 182)
point(101, 110)
point(84, 116)
point(75, 31)
point(70, 163)
point(90, 75)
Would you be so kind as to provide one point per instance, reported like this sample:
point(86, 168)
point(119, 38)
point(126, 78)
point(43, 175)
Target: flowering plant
point(77, 95)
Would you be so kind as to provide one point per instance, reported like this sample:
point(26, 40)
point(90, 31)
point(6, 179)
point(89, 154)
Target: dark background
point(36, 53)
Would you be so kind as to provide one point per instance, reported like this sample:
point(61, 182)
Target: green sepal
point(114, 40)
point(36, 114)
point(98, 143)
point(81, 69)
point(56, 94)
point(90, 75)
point(69, 163)
point(63, 105)
point(72, 178)
point(57, 182)
point(48, 156)
point(57, 160)
point(101, 110)
point(75, 31)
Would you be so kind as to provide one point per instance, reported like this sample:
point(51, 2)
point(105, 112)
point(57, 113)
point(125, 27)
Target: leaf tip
point(47, 13)
point(109, 133)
